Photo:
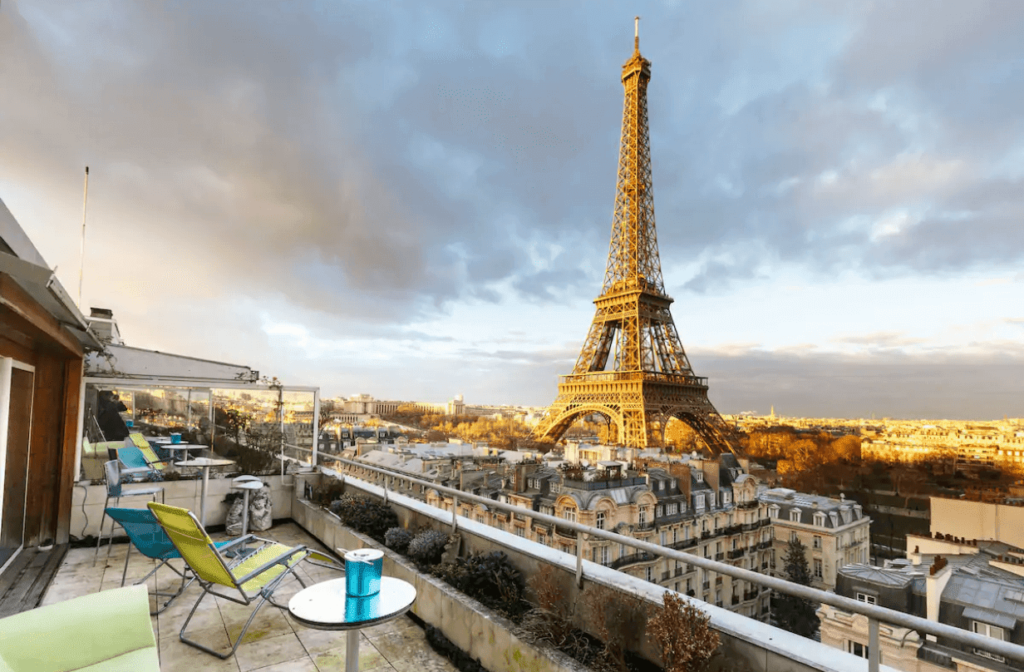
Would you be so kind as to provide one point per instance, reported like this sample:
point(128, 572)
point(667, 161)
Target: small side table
point(204, 463)
point(325, 606)
point(246, 487)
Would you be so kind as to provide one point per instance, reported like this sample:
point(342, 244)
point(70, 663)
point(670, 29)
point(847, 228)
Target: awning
point(990, 617)
point(42, 285)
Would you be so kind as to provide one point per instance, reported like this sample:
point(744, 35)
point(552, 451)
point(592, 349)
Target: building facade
point(973, 585)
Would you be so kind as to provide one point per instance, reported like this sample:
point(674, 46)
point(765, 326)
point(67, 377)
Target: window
point(664, 537)
point(725, 497)
point(867, 599)
point(675, 534)
point(699, 502)
point(650, 573)
point(993, 631)
point(542, 539)
point(604, 556)
point(773, 512)
point(794, 515)
point(711, 499)
point(857, 649)
point(600, 520)
point(570, 515)
point(817, 542)
point(817, 568)
point(520, 532)
point(819, 519)
point(643, 515)
point(699, 476)
point(793, 536)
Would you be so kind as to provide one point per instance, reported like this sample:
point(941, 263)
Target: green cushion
point(140, 659)
point(82, 633)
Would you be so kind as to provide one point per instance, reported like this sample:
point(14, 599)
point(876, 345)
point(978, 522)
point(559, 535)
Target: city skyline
point(836, 192)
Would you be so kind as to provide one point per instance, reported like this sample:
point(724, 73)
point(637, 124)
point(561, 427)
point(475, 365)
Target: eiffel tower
point(650, 379)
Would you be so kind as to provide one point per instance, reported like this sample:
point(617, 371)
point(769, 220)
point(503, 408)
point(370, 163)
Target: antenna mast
point(636, 33)
point(81, 265)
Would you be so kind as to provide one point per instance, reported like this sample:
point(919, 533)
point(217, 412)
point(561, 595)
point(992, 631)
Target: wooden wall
point(31, 335)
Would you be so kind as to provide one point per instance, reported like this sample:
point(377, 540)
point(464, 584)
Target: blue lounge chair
point(146, 534)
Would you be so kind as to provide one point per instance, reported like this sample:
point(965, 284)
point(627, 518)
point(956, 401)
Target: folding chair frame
point(265, 593)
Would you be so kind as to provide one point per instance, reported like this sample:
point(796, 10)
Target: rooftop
point(274, 643)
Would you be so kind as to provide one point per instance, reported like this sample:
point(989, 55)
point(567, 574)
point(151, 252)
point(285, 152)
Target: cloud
point(363, 173)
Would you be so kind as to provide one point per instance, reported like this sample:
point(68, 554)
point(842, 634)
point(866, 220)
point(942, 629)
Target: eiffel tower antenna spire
point(632, 368)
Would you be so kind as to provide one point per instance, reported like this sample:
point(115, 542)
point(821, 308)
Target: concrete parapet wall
point(747, 644)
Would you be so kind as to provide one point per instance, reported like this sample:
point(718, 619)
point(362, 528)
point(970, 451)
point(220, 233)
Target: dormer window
point(794, 515)
point(711, 499)
point(846, 516)
point(675, 483)
point(819, 519)
point(699, 502)
point(699, 476)
point(773, 511)
point(725, 497)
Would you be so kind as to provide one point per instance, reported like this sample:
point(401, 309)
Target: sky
point(413, 199)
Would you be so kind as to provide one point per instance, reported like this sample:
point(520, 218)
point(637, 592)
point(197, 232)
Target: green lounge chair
point(250, 578)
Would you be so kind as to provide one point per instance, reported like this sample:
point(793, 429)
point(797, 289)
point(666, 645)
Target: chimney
point(103, 324)
point(935, 583)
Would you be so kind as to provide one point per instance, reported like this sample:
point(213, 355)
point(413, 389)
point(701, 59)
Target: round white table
point(325, 606)
point(182, 446)
point(204, 463)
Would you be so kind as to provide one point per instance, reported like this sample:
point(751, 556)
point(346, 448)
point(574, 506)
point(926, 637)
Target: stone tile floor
point(274, 641)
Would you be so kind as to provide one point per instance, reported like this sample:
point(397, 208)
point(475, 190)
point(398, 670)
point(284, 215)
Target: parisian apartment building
point(709, 507)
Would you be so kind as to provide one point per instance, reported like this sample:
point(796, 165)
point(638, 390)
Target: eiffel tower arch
point(632, 368)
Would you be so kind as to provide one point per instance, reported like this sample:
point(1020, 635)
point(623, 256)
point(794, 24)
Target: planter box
point(485, 635)
point(87, 501)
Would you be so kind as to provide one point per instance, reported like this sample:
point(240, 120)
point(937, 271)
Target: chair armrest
point(234, 542)
point(136, 470)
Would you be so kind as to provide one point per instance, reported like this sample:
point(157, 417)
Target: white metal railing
point(874, 614)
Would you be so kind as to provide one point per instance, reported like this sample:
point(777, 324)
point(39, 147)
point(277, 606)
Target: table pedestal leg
point(245, 512)
point(352, 651)
point(202, 503)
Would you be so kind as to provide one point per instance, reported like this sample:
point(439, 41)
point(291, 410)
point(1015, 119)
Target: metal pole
point(81, 265)
point(579, 559)
point(873, 653)
point(316, 426)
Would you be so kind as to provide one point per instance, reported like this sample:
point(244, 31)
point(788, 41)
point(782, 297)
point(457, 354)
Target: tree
point(796, 614)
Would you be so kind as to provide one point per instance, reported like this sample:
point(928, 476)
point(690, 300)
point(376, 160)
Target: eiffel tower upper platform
point(633, 369)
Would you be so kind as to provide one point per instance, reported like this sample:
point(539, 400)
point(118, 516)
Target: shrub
point(427, 547)
point(365, 515)
point(397, 539)
point(329, 490)
point(489, 578)
point(682, 633)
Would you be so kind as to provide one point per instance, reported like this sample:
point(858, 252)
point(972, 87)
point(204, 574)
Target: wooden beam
point(16, 344)
point(19, 310)
point(44, 451)
point(68, 466)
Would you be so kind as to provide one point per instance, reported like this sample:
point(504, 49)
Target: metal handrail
point(874, 613)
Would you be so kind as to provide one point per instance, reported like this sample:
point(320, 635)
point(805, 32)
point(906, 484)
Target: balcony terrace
point(276, 644)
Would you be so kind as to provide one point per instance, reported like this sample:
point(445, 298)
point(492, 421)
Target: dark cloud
point(977, 386)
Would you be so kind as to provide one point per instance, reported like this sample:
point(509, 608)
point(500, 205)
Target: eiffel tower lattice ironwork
point(649, 378)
